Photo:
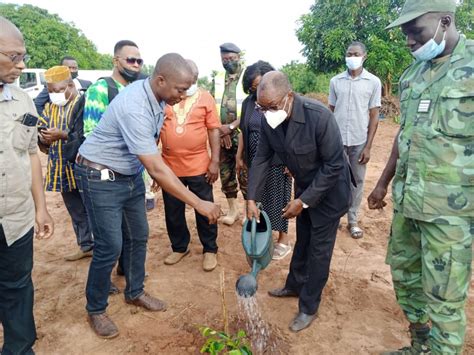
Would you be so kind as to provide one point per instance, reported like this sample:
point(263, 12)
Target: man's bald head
point(171, 78)
point(9, 31)
point(193, 67)
point(273, 86)
point(172, 66)
point(13, 51)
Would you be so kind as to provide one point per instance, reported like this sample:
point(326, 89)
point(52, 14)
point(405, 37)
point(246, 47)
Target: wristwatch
point(304, 205)
point(231, 127)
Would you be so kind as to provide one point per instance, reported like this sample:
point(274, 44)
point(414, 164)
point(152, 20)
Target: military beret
point(229, 47)
point(415, 8)
point(57, 74)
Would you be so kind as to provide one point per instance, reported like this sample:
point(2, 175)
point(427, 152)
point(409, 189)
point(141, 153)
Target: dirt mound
point(323, 98)
point(390, 107)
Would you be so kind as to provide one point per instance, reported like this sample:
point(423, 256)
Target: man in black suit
point(305, 135)
point(81, 85)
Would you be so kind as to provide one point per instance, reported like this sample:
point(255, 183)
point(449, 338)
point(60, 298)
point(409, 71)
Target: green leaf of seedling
point(241, 334)
point(246, 350)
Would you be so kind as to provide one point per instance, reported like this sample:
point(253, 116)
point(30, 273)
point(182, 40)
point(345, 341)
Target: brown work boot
point(175, 257)
point(209, 261)
point(103, 326)
point(78, 255)
point(148, 302)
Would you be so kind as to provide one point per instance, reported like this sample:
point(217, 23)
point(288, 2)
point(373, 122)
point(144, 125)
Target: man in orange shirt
point(188, 126)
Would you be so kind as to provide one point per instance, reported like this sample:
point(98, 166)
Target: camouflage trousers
point(228, 172)
point(431, 272)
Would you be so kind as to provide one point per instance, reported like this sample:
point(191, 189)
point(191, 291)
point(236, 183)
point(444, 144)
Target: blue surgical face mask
point(430, 49)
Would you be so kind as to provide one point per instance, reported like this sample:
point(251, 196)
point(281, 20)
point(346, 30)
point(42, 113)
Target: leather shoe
point(103, 326)
point(148, 302)
point(282, 292)
point(78, 255)
point(301, 321)
point(175, 257)
point(209, 261)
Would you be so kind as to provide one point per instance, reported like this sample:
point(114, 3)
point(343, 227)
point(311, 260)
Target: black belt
point(90, 164)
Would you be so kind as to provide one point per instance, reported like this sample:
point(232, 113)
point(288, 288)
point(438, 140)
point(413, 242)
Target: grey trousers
point(358, 170)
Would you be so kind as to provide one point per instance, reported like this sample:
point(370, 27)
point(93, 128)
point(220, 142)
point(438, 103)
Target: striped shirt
point(59, 172)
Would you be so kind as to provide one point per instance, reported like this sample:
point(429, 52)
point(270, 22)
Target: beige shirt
point(17, 142)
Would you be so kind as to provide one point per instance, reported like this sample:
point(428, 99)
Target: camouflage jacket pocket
point(454, 114)
point(449, 199)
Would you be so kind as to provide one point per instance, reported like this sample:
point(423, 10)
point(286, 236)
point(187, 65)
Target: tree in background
point(465, 18)
point(48, 38)
point(304, 80)
point(331, 25)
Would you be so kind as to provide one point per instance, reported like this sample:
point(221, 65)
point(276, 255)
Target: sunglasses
point(17, 58)
point(133, 60)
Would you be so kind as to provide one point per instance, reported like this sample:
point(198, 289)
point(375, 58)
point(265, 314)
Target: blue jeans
point(113, 206)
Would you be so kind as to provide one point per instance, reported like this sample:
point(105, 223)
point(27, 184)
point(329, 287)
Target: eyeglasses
point(17, 58)
point(133, 60)
point(263, 109)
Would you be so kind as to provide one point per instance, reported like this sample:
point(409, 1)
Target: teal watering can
point(258, 246)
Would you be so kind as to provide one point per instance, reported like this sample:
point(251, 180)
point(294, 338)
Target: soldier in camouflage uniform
point(230, 56)
point(432, 166)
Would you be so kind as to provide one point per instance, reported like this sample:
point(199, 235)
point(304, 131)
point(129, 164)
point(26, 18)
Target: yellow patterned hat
point(57, 74)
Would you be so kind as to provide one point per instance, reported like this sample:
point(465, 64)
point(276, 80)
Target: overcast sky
point(264, 29)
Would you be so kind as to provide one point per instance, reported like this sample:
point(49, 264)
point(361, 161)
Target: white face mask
point(276, 118)
point(354, 63)
point(192, 90)
point(58, 98)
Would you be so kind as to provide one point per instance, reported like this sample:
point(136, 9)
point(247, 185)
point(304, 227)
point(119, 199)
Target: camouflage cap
point(229, 48)
point(415, 8)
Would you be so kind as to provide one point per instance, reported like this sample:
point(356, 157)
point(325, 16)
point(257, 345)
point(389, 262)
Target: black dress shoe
point(301, 321)
point(282, 292)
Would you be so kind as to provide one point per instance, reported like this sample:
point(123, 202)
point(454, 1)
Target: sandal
point(281, 250)
point(356, 232)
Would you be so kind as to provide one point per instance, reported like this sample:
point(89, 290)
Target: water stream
point(256, 328)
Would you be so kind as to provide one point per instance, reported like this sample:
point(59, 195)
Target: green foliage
point(148, 69)
point(219, 342)
point(304, 80)
point(205, 83)
point(48, 38)
point(331, 25)
point(465, 18)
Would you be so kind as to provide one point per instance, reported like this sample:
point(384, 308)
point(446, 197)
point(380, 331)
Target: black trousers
point(80, 221)
point(176, 220)
point(16, 295)
point(309, 267)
